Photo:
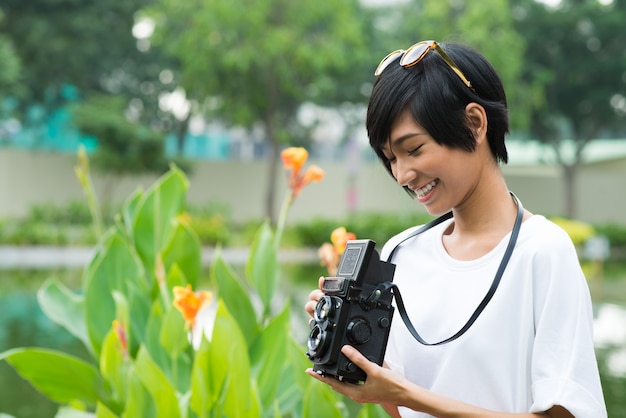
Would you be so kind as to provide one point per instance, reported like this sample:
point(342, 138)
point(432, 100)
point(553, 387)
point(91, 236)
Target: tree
point(251, 63)
point(124, 146)
point(9, 75)
point(71, 49)
point(577, 52)
point(486, 25)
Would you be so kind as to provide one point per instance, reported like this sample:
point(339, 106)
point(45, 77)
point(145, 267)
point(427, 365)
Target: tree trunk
point(270, 196)
point(181, 134)
point(570, 175)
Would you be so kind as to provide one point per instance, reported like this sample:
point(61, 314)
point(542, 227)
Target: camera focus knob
point(358, 331)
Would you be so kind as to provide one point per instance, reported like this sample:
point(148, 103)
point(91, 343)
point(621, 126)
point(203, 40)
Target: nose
point(403, 172)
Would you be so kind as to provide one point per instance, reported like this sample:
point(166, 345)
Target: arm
point(385, 387)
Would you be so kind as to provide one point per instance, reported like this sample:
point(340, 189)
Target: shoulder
point(543, 235)
point(397, 239)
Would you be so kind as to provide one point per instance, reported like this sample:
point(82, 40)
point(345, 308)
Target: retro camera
point(355, 310)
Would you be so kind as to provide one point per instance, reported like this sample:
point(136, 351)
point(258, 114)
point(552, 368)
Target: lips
point(424, 190)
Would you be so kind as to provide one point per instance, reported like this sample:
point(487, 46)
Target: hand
point(382, 385)
point(314, 296)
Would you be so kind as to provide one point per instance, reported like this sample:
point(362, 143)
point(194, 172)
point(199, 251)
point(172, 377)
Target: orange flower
point(330, 254)
point(313, 174)
point(189, 303)
point(329, 258)
point(122, 337)
point(340, 237)
point(294, 159)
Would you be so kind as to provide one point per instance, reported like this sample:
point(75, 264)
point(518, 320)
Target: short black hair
point(436, 98)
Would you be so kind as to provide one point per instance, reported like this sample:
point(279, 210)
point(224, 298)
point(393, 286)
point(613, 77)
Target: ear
point(477, 120)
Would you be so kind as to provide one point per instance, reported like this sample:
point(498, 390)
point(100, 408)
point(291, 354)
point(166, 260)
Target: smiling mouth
point(421, 192)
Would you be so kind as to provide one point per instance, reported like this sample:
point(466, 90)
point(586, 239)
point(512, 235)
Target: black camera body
point(355, 310)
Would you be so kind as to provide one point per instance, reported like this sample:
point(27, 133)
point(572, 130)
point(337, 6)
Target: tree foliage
point(486, 25)
point(87, 44)
point(250, 62)
point(124, 146)
point(9, 75)
point(576, 51)
point(9, 62)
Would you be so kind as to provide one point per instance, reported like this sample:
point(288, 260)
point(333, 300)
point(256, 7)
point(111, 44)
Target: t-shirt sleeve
point(564, 368)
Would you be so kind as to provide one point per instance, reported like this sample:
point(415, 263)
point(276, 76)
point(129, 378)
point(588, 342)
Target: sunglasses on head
point(414, 54)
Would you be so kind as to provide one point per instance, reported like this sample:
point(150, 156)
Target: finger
point(309, 307)
point(317, 375)
point(356, 357)
point(316, 295)
point(320, 281)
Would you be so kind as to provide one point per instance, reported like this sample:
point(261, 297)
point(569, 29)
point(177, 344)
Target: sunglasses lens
point(388, 60)
point(415, 53)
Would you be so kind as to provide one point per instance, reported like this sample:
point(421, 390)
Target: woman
point(437, 119)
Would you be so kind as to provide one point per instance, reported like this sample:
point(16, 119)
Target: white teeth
point(424, 190)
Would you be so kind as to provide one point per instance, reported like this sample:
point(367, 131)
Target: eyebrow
point(400, 140)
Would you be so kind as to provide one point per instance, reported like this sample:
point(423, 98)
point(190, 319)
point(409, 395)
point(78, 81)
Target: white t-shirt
point(532, 346)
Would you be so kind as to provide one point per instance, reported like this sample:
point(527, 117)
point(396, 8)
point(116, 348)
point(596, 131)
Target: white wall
point(28, 178)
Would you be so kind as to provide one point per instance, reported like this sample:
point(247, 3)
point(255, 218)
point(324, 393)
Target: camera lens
point(324, 309)
point(317, 342)
point(358, 331)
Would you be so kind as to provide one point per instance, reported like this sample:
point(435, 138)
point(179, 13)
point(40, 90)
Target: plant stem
point(282, 219)
point(84, 177)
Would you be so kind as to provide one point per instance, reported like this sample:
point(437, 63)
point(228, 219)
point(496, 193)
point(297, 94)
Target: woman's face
point(441, 177)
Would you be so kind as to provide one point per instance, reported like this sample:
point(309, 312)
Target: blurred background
point(219, 88)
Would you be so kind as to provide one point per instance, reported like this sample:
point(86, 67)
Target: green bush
point(33, 233)
point(73, 213)
point(211, 230)
point(375, 226)
point(146, 359)
point(615, 233)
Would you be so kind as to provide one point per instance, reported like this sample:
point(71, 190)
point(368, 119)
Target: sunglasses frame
point(415, 54)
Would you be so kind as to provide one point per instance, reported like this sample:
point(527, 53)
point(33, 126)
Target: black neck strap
point(490, 292)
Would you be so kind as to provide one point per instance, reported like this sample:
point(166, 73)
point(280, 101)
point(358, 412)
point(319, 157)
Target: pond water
point(22, 323)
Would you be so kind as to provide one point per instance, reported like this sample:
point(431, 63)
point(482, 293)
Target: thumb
point(355, 356)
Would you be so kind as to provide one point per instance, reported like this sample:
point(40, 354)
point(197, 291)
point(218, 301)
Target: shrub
point(615, 233)
point(147, 359)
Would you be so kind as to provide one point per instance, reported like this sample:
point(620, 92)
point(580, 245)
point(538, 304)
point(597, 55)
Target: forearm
point(420, 399)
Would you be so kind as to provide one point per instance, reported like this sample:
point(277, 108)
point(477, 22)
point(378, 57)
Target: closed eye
point(414, 150)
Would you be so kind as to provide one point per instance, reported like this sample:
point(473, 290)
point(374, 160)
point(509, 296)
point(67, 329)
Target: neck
point(490, 209)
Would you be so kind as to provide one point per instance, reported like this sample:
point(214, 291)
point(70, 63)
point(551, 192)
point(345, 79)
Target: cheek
point(393, 171)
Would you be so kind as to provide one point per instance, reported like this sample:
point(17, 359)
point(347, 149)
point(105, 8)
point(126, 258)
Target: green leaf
point(201, 396)
point(155, 381)
point(235, 297)
point(129, 209)
point(262, 267)
point(173, 337)
point(64, 307)
point(184, 250)
point(229, 365)
point(114, 267)
point(113, 367)
point(139, 302)
point(153, 226)
point(60, 377)
point(103, 412)
point(320, 401)
point(140, 404)
point(69, 412)
point(372, 411)
point(293, 381)
point(268, 356)
point(175, 277)
point(152, 337)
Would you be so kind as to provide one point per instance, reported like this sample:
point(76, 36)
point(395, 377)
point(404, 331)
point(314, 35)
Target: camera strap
point(490, 292)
